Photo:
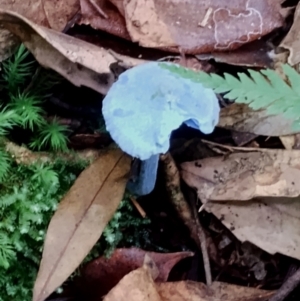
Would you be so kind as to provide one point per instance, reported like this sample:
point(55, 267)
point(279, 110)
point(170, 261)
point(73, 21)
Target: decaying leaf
point(291, 141)
point(81, 63)
point(240, 118)
point(48, 13)
point(255, 54)
point(245, 175)
point(8, 43)
point(271, 224)
point(218, 291)
point(80, 219)
point(113, 24)
point(292, 39)
point(138, 285)
point(109, 271)
point(201, 26)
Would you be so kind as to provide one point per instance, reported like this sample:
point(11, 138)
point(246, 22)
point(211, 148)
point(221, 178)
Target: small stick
point(138, 207)
point(184, 210)
point(204, 22)
point(202, 239)
point(292, 282)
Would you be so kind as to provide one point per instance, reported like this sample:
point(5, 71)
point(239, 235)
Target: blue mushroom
point(145, 105)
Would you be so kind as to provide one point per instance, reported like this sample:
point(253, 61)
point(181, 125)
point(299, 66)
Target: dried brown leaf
point(49, 13)
point(201, 26)
point(241, 118)
point(109, 271)
point(113, 24)
point(8, 43)
point(292, 39)
point(245, 175)
point(138, 285)
point(272, 224)
point(80, 219)
point(82, 63)
point(254, 54)
point(218, 291)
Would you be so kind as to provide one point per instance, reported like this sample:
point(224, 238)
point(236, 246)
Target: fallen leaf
point(254, 54)
point(201, 26)
point(113, 24)
point(240, 118)
point(109, 271)
point(8, 43)
point(138, 285)
point(80, 219)
point(83, 64)
point(119, 5)
point(273, 224)
point(291, 141)
point(245, 175)
point(241, 138)
point(218, 291)
point(292, 39)
point(48, 13)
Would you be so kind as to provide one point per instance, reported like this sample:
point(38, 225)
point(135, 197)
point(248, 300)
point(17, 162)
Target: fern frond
point(29, 110)
point(17, 70)
point(6, 251)
point(261, 90)
point(5, 162)
point(52, 135)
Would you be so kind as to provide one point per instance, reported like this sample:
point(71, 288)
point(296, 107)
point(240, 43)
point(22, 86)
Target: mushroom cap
point(148, 102)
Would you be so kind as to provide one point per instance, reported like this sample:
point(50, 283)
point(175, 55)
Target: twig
point(292, 282)
point(184, 210)
point(138, 207)
point(72, 21)
point(203, 245)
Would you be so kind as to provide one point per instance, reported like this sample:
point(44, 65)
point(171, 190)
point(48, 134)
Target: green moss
point(28, 200)
point(25, 87)
point(29, 195)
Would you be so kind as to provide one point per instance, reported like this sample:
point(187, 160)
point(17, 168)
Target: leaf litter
point(81, 216)
point(252, 191)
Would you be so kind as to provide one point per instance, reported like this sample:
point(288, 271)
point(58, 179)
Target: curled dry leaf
point(245, 175)
point(80, 219)
point(138, 285)
point(200, 26)
point(81, 63)
point(241, 118)
point(109, 271)
point(218, 291)
point(48, 13)
point(292, 39)
point(271, 224)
